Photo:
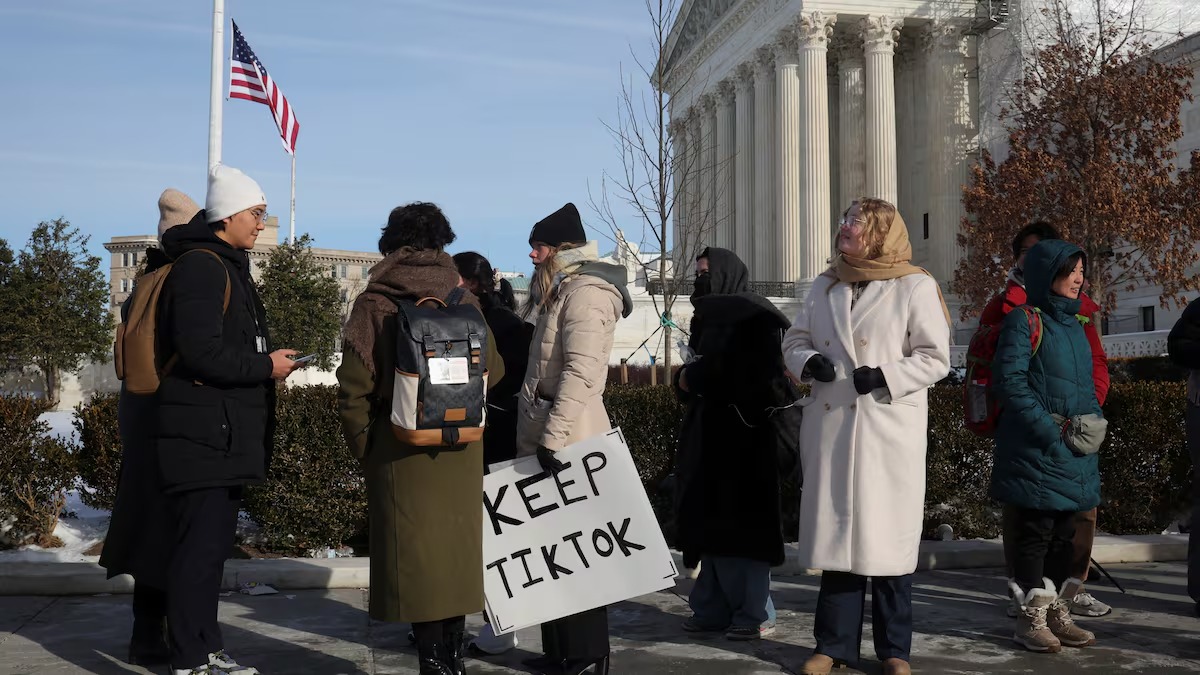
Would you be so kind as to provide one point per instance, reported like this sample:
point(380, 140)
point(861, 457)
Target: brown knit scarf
point(405, 274)
point(893, 262)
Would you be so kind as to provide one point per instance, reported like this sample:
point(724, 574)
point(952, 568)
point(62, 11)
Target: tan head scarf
point(893, 262)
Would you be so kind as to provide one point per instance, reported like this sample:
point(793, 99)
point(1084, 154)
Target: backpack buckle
point(430, 348)
point(476, 347)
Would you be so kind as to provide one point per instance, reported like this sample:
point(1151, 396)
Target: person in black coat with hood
point(139, 533)
point(1183, 346)
point(739, 436)
point(512, 335)
point(215, 406)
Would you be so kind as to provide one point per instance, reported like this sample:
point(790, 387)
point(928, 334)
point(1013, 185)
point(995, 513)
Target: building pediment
point(696, 19)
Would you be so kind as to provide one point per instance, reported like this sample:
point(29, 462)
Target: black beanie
point(561, 227)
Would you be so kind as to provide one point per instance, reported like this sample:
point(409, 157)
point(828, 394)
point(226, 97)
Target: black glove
point(867, 380)
point(820, 368)
point(549, 462)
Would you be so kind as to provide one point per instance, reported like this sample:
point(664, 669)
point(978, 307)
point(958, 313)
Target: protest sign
point(559, 545)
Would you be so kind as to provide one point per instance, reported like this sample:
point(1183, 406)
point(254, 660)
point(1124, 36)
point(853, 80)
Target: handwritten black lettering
point(528, 498)
point(591, 470)
point(574, 539)
point(624, 543)
point(493, 510)
point(562, 489)
point(599, 534)
point(499, 567)
point(528, 575)
point(555, 568)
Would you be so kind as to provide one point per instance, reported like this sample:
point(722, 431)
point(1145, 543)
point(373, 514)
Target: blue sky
point(491, 109)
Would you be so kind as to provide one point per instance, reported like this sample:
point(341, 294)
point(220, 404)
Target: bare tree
point(659, 174)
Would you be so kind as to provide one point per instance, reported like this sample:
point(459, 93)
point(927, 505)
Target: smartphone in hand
point(304, 359)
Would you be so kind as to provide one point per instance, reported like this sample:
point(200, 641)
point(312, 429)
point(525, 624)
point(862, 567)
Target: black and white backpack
point(440, 394)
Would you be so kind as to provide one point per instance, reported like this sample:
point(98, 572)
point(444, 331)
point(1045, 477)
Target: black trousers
point(149, 615)
point(1043, 546)
point(579, 637)
point(1193, 444)
point(438, 632)
point(839, 620)
point(205, 522)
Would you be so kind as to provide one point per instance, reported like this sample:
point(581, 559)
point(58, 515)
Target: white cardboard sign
point(554, 546)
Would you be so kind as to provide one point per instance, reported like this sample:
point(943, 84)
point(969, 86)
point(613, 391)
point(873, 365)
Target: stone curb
point(304, 573)
point(976, 553)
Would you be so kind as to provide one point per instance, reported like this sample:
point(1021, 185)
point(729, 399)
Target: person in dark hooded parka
point(739, 436)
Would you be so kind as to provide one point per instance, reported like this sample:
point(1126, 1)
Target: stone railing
point(1119, 346)
point(683, 287)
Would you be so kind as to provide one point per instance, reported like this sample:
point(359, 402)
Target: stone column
point(726, 195)
point(787, 144)
point(743, 229)
point(813, 33)
point(679, 209)
point(695, 193)
point(764, 166)
point(708, 171)
point(851, 111)
point(952, 136)
point(879, 39)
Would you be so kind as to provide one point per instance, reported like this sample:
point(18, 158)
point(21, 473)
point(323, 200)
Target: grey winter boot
point(1060, 621)
point(1032, 631)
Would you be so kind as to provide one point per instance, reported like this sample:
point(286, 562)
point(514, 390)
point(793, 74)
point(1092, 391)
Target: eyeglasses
point(259, 214)
point(847, 222)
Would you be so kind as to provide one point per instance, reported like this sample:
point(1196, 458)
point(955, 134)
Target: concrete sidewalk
point(959, 615)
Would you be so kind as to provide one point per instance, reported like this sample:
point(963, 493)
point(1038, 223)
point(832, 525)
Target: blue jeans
point(839, 619)
point(732, 593)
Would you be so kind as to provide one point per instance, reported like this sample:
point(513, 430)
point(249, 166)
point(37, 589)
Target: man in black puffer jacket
point(215, 406)
point(1183, 346)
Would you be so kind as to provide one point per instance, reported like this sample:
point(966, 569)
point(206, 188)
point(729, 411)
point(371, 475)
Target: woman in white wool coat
point(871, 338)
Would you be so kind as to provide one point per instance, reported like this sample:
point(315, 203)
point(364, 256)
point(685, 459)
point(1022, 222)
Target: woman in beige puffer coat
point(577, 302)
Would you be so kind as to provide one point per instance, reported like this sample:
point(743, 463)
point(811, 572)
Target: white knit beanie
point(230, 192)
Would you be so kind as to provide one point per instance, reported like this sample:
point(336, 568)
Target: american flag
point(249, 80)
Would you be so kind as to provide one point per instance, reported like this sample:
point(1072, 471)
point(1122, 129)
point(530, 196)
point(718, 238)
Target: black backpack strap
point(455, 296)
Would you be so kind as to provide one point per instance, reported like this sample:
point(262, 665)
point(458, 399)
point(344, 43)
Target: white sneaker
point(1084, 604)
point(225, 664)
point(200, 670)
point(489, 643)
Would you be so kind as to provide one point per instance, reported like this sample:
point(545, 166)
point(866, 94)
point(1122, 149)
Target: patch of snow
point(79, 533)
point(60, 424)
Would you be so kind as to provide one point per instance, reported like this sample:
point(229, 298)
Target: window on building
point(124, 285)
point(1104, 325)
point(366, 271)
point(333, 271)
point(124, 260)
point(1147, 318)
point(343, 271)
point(345, 295)
point(925, 226)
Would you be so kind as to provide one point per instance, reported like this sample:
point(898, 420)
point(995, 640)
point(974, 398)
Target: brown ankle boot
point(1058, 618)
point(1032, 631)
point(820, 664)
point(896, 666)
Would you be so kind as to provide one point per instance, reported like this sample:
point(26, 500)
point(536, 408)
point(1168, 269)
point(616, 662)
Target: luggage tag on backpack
point(455, 370)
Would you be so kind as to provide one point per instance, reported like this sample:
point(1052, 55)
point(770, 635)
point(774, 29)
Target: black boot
point(456, 646)
point(432, 656)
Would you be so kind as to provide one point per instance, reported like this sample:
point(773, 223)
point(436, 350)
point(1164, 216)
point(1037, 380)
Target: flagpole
point(292, 227)
point(216, 80)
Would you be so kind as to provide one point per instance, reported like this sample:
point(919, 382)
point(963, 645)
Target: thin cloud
point(551, 18)
point(105, 20)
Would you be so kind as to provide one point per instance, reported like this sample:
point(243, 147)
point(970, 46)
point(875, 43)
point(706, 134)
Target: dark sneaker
point(691, 625)
point(743, 633)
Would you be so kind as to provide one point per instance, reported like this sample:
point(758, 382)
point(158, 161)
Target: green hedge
point(315, 495)
point(98, 450)
point(36, 471)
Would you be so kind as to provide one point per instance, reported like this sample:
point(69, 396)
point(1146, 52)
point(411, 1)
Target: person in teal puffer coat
point(1040, 466)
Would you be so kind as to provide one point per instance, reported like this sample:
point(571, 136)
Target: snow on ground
point(79, 534)
point(60, 424)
